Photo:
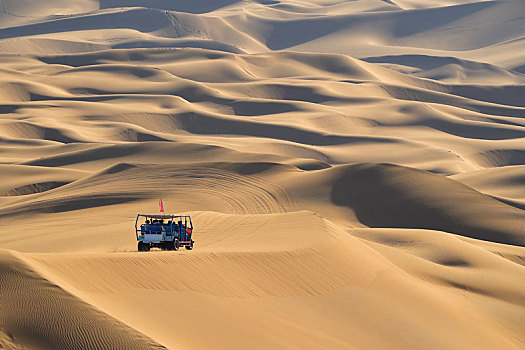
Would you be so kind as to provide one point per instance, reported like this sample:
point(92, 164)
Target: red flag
point(161, 206)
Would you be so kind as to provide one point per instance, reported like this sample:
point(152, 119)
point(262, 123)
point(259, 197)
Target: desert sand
point(355, 172)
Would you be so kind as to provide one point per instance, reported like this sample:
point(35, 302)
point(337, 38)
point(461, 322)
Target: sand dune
point(353, 169)
point(38, 314)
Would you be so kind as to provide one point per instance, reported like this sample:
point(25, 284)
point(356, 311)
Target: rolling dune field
point(354, 170)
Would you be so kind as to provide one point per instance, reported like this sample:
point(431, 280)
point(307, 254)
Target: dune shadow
point(68, 204)
point(425, 62)
point(190, 6)
point(179, 43)
point(390, 196)
point(210, 125)
point(140, 19)
point(450, 99)
point(35, 188)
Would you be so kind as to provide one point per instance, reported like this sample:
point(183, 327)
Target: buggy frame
point(154, 233)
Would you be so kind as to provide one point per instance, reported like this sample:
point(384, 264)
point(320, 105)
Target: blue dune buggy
point(164, 231)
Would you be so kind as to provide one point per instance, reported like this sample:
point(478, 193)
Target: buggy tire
point(189, 246)
point(143, 247)
point(176, 244)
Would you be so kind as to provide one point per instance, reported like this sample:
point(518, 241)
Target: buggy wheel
point(176, 244)
point(189, 246)
point(143, 247)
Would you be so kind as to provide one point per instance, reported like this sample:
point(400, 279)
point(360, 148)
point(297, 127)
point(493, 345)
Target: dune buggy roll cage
point(174, 220)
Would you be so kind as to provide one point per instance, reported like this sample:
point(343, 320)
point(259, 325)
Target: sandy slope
point(37, 314)
point(354, 170)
